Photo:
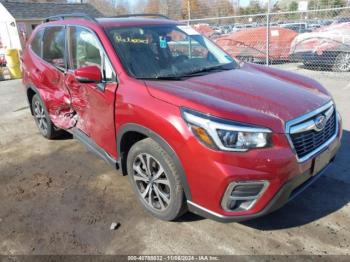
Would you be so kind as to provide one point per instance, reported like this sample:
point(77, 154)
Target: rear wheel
point(155, 180)
point(42, 119)
point(342, 62)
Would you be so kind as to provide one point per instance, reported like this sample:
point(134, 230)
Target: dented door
point(48, 73)
point(93, 103)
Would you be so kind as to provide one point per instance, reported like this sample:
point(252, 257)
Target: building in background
point(18, 19)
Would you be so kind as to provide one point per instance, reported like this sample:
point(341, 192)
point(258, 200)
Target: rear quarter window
point(36, 44)
point(54, 46)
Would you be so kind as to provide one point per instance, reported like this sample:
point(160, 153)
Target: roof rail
point(142, 15)
point(65, 16)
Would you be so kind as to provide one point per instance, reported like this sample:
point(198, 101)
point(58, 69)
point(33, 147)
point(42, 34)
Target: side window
point(54, 46)
point(85, 50)
point(84, 47)
point(36, 44)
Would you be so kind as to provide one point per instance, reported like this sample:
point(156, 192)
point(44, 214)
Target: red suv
point(193, 128)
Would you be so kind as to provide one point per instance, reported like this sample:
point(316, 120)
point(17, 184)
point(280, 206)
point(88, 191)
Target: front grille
point(306, 142)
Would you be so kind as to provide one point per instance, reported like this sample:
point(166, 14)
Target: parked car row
point(316, 43)
point(297, 26)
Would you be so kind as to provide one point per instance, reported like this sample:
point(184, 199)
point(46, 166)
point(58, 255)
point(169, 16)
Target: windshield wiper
point(191, 73)
point(176, 78)
point(209, 69)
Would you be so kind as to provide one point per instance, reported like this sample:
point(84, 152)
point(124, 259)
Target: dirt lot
point(57, 198)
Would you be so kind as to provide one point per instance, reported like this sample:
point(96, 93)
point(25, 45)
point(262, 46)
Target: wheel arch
point(129, 134)
point(31, 91)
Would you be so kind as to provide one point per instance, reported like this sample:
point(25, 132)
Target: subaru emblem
point(320, 122)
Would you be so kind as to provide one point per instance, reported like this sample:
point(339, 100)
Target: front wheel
point(155, 180)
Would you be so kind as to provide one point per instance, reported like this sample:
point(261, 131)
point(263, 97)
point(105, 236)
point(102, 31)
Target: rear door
point(48, 68)
point(93, 103)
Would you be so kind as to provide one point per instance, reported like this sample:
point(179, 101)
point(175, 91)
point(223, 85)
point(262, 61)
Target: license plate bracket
point(321, 161)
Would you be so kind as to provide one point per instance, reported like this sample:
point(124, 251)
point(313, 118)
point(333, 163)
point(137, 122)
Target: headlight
point(218, 133)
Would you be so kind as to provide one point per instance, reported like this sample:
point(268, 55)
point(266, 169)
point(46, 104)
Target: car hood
point(253, 94)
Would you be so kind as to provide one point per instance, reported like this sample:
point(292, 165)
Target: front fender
point(132, 127)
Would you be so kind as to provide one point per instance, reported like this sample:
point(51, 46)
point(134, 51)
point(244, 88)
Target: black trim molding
point(151, 134)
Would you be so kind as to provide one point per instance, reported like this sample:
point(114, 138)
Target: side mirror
point(88, 74)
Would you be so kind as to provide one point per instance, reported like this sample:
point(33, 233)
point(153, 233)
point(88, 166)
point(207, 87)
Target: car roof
point(112, 21)
point(134, 21)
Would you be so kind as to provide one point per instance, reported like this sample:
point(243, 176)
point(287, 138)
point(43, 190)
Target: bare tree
point(198, 8)
point(152, 6)
point(121, 8)
point(110, 7)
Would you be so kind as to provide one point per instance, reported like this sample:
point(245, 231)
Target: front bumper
point(288, 192)
point(286, 176)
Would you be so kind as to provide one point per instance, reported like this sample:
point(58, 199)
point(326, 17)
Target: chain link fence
point(313, 40)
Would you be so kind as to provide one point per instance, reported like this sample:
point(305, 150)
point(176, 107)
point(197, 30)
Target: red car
point(193, 131)
point(250, 44)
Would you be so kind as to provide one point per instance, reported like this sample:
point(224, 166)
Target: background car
point(341, 20)
point(205, 29)
point(250, 44)
point(297, 27)
point(327, 46)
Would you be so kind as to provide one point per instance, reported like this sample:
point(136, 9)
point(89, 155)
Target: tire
point(42, 119)
point(165, 196)
point(342, 62)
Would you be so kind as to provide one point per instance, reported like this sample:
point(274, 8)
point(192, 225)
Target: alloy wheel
point(151, 181)
point(39, 114)
point(343, 62)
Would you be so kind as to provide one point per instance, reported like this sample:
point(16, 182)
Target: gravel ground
point(57, 198)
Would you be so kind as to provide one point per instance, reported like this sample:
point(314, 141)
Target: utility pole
point(189, 10)
point(268, 33)
point(238, 6)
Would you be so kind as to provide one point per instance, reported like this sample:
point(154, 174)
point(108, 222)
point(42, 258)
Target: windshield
point(155, 52)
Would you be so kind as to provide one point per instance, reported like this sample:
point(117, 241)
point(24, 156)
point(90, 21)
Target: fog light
point(241, 196)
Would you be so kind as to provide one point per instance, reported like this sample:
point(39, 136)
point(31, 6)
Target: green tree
point(293, 6)
point(312, 5)
point(338, 3)
point(324, 4)
point(254, 8)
